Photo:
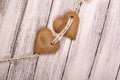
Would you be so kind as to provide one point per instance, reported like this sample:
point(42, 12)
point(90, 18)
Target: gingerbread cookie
point(43, 42)
point(60, 22)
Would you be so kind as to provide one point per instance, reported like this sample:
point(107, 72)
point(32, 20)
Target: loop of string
point(55, 40)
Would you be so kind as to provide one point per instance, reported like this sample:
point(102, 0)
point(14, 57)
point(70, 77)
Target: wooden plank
point(82, 53)
point(36, 16)
point(83, 49)
point(11, 13)
point(108, 56)
point(51, 67)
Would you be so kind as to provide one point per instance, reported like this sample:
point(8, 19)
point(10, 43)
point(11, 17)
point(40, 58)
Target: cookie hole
point(71, 16)
point(52, 43)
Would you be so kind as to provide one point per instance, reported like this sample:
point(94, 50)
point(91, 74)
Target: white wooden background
point(94, 55)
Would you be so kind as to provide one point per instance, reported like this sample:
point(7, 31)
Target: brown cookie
point(43, 41)
point(60, 22)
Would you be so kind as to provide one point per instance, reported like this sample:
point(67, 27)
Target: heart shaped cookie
point(43, 42)
point(60, 22)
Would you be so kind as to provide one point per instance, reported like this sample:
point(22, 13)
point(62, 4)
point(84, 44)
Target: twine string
point(55, 40)
point(19, 58)
point(77, 6)
point(61, 34)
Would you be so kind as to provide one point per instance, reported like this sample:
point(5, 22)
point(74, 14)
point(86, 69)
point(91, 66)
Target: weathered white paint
point(83, 49)
point(52, 66)
point(11, 12)
point(36, 16)
point(108, 57)
point(74, 59)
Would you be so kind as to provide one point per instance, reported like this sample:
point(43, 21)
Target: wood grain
point(83, 49)
point(36, 16)
point(108, 55)
point(51, 67)
point(94, 55)
point(11, 12)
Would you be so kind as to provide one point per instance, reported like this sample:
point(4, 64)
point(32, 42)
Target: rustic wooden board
point(107, 62)
point(83, 49)
point(36, 16)
point(11, 12)
point(51, 67)
point(94, 55)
